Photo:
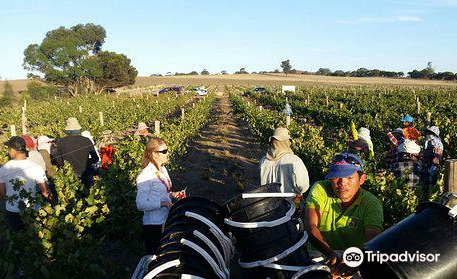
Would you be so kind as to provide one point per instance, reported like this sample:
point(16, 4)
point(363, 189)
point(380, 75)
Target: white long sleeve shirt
point(290, 171)
point(151, 191)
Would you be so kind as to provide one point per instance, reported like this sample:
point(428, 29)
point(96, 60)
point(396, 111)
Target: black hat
point(17, 143)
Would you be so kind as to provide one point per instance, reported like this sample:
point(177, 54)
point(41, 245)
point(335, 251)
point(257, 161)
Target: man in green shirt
point(339, 214)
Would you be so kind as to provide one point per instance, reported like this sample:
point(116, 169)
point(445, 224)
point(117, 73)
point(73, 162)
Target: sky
point(187, 35)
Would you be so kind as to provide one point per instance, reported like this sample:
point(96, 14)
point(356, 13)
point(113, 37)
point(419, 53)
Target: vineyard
point(72, 233)
point(86, 231)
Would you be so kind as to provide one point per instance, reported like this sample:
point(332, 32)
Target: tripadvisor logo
point(353, 257)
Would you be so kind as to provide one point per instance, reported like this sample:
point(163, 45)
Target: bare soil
point(222, 161)
point(282, 79)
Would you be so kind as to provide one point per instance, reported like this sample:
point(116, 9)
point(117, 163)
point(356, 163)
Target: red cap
point(29, 144)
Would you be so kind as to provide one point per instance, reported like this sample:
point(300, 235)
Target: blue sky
point(182, 36)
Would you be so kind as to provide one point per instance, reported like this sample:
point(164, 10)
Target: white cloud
point(407, 18)
point(402, 18)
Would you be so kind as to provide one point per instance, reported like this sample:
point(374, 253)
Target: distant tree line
point(426, 73)
point(204, 72)
point(361, 72)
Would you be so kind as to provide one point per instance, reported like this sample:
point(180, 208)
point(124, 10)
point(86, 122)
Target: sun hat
point(44, 139)
point(434, 130)
point(141, 127)
point(72, 124)
point(344, 165)
point(410, 147)
point(281, 134)
point(364, 133)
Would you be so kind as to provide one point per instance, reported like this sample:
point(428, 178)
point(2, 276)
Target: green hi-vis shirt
point(344, 229)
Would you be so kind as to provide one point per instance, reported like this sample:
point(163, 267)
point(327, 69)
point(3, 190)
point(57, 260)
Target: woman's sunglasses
point(165, 151)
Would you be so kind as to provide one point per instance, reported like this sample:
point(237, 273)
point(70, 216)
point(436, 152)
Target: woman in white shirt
point(154, 192)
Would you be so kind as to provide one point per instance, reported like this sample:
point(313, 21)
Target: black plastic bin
point(429, 230)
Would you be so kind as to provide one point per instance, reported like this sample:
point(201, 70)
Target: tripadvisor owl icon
point(353, 257)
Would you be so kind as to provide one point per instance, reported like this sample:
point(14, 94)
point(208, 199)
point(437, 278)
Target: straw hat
point(281, 134)
point(72, 124)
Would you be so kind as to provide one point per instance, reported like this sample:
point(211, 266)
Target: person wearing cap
point(77, 150)
point(340, 214)
point(281, 165)
point(409, 130)
point(32, 152)
point(432, 153)
point(44, 147)
point(408, 164)
point(22, 173)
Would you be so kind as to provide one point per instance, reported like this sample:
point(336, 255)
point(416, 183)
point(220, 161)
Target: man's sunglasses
point(165, 151)
point(345, 158)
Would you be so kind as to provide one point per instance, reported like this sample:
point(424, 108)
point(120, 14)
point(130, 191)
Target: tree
point(338, 73)
point(324, 72)
point(204, 72)
point(361, 72)
point(69, 58)
point(286, 67)
point(428, 71)
point(416, 74)
point(241, 71)
point(41, 91)
point(116, 71)
point(445, 76)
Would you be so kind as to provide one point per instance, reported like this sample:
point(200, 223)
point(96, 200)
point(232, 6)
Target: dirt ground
point(222, 161)
point(282, 79)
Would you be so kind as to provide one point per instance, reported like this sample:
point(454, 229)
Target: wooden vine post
point(418, 106)
point(287, 120)
point(450, 176)
point(102, 122)
point(24, 122)
point(157, 127)
point(13, 130)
